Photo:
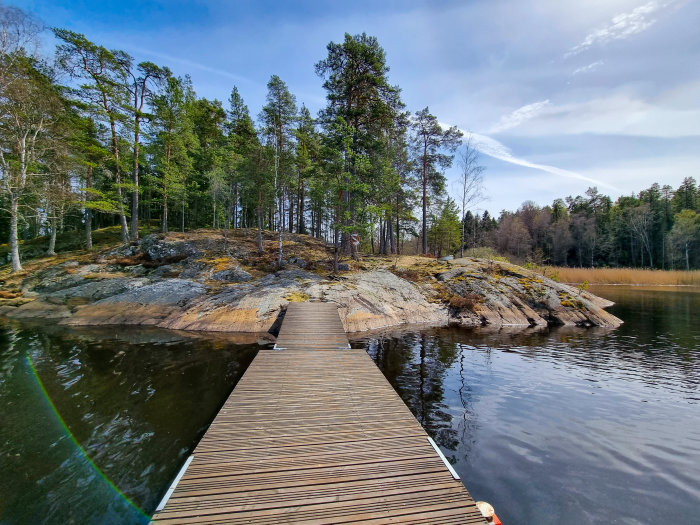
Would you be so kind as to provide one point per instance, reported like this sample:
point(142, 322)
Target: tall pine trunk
point(398, 231)
point(390, 235)
point(425, 200)
point(88, 211)
point(134, 234)
point(259, 210)
point(301, 228)
point(281, 228)
point(14, 239)
point(52, 239)
point(235, 207)
point(164, 224)
point(118, 179)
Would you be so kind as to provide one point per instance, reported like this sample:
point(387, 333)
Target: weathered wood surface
point(315, 434)
point(312, 326)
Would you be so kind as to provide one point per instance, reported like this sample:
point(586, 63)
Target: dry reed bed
point(624, 276)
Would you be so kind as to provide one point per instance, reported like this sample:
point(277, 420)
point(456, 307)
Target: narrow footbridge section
point(313, 433)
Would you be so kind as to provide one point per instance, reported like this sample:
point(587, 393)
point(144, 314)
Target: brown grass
point(408, 274)
point(624, 276)
point(468, 301)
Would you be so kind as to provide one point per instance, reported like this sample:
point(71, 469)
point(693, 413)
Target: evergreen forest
point(89, 138)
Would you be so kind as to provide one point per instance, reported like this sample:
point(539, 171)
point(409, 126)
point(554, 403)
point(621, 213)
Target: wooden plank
point(314, 433)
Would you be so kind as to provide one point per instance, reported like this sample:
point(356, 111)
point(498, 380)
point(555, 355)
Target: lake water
point(556, 426)
point(566, 425)
point(95, 423)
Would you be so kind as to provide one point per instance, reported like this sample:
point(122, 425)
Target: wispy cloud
point(588, 68)
point(621, 113)
point(497, 150)
point(519, 116)
point(620, 27)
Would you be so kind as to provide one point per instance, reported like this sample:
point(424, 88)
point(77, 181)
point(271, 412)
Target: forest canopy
point(90, 138)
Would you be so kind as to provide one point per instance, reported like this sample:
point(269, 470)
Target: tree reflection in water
point(416, 364)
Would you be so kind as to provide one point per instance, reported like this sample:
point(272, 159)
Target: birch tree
point(471, 181)
point(29, 104)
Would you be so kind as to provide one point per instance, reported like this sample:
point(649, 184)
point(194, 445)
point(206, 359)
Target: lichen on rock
point(193, 283)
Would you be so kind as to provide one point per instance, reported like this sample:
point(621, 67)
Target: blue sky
point(559, 95)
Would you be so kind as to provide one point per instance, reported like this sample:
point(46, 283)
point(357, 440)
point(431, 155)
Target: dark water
point(562, 426)
point(94, 425)
point(566, 426)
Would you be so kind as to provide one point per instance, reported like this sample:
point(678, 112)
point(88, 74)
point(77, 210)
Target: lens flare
point(77, 444)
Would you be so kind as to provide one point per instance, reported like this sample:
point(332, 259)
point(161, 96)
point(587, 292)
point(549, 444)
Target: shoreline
point(201, 281)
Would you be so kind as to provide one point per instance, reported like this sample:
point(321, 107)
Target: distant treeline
point(657, 228)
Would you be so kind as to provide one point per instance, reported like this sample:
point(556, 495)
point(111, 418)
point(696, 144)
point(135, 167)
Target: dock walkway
point(313, 433)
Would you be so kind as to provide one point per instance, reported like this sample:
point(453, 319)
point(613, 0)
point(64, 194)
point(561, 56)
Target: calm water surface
point(94, 424)
point(561, 426)
point(566, 426)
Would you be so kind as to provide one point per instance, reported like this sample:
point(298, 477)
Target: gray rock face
point(377, 299)
point(94, 290)
point(343, 267)
point(52, 284)
point(137, 270)
point(297, 261)
point(468, 292)
point(194, 270)
point(249, 307)
point(165, 271)
point(234, 275)
point(157, 248)
point(89, 268)
point(166, 292)
point(508, 295)
point(149, 304)
point(128, 250)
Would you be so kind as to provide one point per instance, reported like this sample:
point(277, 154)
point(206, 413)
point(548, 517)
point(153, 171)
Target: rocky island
point(210, 280)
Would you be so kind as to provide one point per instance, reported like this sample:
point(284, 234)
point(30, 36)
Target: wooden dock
point(313, 433)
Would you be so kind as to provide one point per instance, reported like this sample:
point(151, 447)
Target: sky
point(559, 95)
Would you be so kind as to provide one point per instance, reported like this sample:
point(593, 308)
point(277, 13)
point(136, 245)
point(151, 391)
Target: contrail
point(190, 63)
point(493, 148)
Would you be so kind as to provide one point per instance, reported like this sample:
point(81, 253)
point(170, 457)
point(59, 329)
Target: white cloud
point(519, 116)
point(615, 114)
point(588, 68)
point(620, 27)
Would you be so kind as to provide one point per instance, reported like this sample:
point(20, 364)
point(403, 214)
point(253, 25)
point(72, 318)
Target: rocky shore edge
point(187, 283)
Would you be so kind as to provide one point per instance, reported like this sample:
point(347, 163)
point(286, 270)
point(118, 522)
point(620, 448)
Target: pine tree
point(174, 143)
point(278, 117)
point(105, 91)
point(361, 108)
point(433, 147)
